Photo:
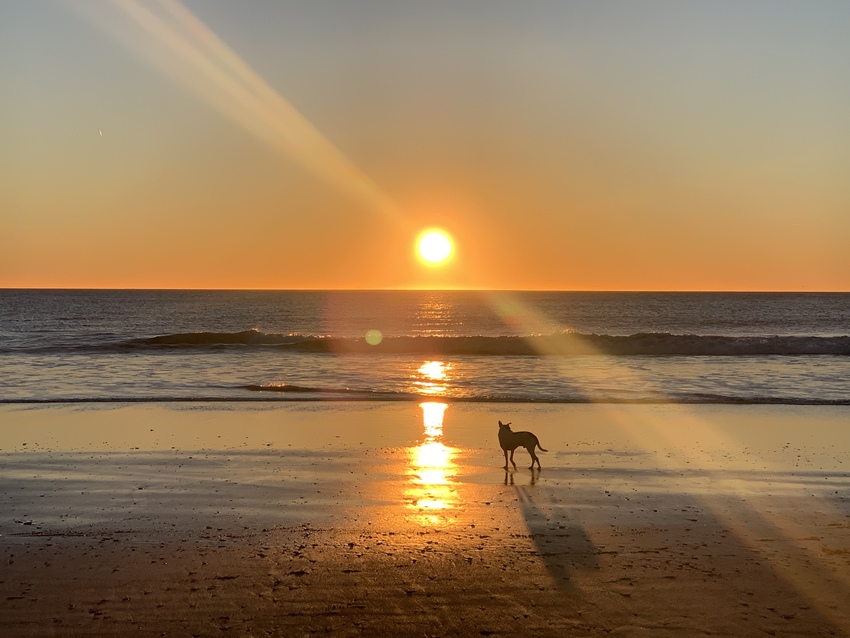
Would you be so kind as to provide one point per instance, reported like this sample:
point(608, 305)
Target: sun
point(435, 247)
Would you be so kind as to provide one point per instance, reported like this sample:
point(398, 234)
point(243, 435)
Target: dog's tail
point(540, 447)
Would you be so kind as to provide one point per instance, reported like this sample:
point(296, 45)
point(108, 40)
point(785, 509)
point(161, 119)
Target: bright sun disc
point(435, 247)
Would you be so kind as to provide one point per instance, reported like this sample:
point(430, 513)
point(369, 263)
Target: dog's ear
point(500, 423)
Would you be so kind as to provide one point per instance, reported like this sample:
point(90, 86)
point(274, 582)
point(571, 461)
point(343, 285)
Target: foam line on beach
point(356, 396)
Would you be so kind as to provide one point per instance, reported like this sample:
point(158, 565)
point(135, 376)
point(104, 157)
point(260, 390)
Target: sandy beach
point(387, 518)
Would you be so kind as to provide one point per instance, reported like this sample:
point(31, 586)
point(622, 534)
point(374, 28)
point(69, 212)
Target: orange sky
point(574, 145)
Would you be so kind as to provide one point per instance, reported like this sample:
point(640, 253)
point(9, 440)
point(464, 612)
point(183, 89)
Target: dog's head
point(507, 426)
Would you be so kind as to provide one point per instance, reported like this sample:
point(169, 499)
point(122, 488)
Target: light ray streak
point(793, 557)
point(696, 444)
point(169, 36)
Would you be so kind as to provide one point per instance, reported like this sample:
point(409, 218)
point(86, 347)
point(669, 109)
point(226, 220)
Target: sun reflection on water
point(434, 374)
point(431, 493)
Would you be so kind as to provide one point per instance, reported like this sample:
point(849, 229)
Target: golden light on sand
point(433, 459)
point(431, 477)
point(431, 469)
point(434, 247)
point(432, 416)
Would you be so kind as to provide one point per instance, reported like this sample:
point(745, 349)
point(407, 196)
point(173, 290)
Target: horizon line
point(427, 289)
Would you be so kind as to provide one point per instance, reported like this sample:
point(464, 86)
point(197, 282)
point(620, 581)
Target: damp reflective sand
point(368, 518)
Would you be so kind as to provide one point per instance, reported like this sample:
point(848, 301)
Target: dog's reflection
point(509, 477)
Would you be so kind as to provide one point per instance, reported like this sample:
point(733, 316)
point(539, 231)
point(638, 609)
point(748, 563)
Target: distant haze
point(654, 145)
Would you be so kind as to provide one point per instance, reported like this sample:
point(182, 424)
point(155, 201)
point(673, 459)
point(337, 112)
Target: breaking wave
point(558, 344)
point(554, 344)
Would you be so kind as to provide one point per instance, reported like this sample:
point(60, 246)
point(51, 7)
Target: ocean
point(60, 346)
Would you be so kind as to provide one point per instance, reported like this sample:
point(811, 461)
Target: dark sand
point(354, 520)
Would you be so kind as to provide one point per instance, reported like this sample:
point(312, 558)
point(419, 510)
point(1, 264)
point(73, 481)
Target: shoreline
point(360, 520)
point(327, 396)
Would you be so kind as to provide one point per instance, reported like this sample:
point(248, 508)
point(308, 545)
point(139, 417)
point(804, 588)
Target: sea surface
point(556, 347)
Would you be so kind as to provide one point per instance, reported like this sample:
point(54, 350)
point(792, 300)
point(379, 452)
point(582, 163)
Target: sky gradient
point(595, 145)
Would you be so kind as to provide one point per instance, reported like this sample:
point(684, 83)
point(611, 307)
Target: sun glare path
point(431, 493)
point(432, 381)
point(173, 39)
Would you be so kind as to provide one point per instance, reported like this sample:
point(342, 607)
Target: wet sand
point(368, 519)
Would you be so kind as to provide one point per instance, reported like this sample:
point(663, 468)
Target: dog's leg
point(512, 457)
point(533, 458)
point(506, 459)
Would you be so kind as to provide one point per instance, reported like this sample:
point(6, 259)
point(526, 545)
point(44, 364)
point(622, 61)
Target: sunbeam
point(697, 445)
point(167, 35)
